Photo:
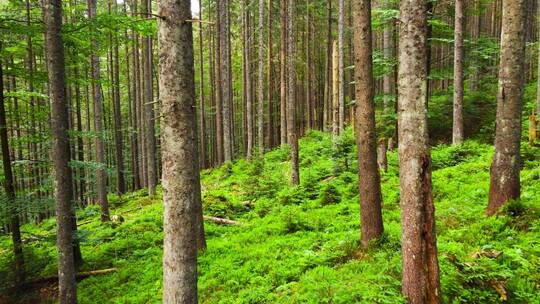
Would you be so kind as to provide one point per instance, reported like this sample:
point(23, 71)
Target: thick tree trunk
point(291, 93)
point(61, 153)
point(101, 174)
point(420, 282)
point(9, 187)
point(260, 81)
point(180, 163)
point(150, 138)
point(457, 130)
point(504, 179)
point(366, 139)
point(283, 70)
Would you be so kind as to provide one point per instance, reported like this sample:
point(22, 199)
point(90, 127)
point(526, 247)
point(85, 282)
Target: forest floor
point(300, 244)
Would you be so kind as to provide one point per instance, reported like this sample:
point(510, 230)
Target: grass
point(300, 244)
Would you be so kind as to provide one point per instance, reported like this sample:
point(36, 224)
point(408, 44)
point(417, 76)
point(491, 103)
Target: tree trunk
point(341, 74)
point(389, 78)
point(117, 112)
point(291, 93)
point(270, 80)
point(202, 122)
point(9, 187)
point(504, 179)
point(61, 153)
point(335, 92)
point(101, 174)
point(260, 81)
point(181, 180)
point(135, 143)
point(225, 72)
point(150, 138)
point(366, 139)
point(477, 25)
point(457, 129)
point(420, 281)
point(327, 100)
point(283, 70)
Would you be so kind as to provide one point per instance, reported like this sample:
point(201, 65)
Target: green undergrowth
point(300, 244)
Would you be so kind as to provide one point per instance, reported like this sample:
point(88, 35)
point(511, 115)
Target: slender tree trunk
point(101, 174)
point(270, 80)
point(420, 281)
point(366, 139)
point(538, 88)
point(117, 113)
point(9, 187)
point(341, 74)
point(260, 81)
point(135, 143)
point(389, 78)
point(335, 92)
point(504, 179)
point(291, 93)
point(202, 121)
point(477, 25)
point(225, 72)
point(327, 101)
point(457, 130)
point(283, 70)
point(149, 109)
point(61, 152)
point(181, 181)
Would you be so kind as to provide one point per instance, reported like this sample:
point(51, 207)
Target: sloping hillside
point(300, 245)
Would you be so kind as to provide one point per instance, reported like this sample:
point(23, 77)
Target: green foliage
point(300, 244)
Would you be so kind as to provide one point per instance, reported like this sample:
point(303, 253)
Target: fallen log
point(78, 276)
point(219, 220)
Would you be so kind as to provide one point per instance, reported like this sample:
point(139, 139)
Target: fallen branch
point(219, 220)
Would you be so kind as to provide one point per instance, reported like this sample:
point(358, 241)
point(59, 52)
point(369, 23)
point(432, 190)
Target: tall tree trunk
point(9, 187)
point(248, 85)
point(477, 25)
point(135, 89)
point(366, 139)
point(420, 282)
point(117, 112)
point(181, 181)
point(283, 70)
point(327, 100)
point(101, 174)
point(341, 74)
point(504, 179)
point(202, 121)
point(225, 72)
point(389, 78)
point(61, 152)
point(457, 129)
point(260, 81)
point(291, 93)
point(309, 110)
point(150, 138)
point(335, 92)
point(270, 77)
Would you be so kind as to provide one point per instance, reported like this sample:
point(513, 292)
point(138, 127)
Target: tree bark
point(327, 100)
point(202, 121)
point(117, 112)
point(283, 70)
point(504, 178)
point(101, 174)
point(270, 80)
point(181, 180)
point(63, 180)
point(260, 81)
point(341, 74)
point(420, 281)
point(389, 78)
point(291, 93)
point(366, 140)
point(225, 72)
point(335, 91)
point(9, 187)
point(150, 138)
point(457, 129)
